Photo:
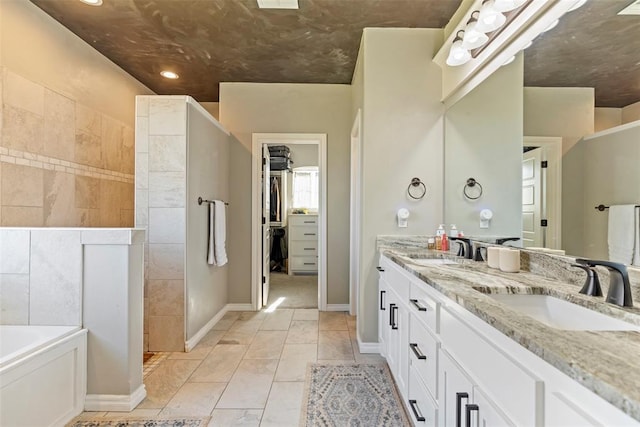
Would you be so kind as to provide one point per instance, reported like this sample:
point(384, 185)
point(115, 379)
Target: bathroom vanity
point(462, 356)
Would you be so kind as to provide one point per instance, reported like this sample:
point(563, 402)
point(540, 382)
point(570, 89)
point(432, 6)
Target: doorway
point(289, 266)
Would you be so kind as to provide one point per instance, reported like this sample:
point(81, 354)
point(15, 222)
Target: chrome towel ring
point(415, 182)
point(472, 183)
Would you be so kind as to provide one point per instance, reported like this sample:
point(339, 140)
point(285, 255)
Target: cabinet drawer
point(303, 248)
point(303, 220)
point(423, 353)
point(398, 280)
point(300, 232)
point(499, 376)
point(303, 263)
point(424, 307)
point(420, 403)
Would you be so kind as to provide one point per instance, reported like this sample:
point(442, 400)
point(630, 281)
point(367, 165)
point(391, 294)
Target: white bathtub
point(43, 372)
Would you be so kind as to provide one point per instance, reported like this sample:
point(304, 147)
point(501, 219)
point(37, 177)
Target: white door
point(532, 209)
point(266, 215)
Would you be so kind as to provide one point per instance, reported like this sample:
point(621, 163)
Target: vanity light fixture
point(577, 4)
point(490, 19)
point(458, 55)
point(473, 38)
point(509, 61)
point(507, 5)
point(92, 2)
point(169, 74)
point(552, 25)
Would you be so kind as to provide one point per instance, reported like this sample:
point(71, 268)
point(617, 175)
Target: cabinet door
point(402, 331)
point(483, 413)
point(455, 391)
point(393, 337)
point(383, 325)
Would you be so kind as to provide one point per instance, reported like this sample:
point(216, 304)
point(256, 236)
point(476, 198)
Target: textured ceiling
point(209, 41)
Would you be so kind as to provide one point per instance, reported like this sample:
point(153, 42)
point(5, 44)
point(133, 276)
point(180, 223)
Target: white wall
point(247, 108)
point(605, 118)
point(402, 139)
point(208, 177)
point(483, 140)
point(631, 113)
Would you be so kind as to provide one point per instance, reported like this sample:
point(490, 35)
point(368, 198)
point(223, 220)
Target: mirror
point(500, 133)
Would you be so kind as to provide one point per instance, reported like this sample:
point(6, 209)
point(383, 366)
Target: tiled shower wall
point(61, 163)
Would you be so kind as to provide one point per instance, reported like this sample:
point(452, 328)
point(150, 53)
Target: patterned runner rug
point(351, 395)
point(139, 422)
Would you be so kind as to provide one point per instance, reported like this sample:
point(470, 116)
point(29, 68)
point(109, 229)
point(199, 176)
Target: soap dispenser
point(440, 231)
point(453, 232)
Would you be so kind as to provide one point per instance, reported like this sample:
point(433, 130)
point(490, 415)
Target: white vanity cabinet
point(449, 365)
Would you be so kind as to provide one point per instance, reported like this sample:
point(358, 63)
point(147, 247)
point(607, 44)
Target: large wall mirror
point(571, 99)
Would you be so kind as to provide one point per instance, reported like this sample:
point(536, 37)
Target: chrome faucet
point(619, 286)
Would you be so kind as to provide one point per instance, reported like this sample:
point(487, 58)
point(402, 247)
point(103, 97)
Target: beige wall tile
point(110, 203)
point(59, 199)
point(18, 216)
point(87, 192)
point(0, 162)
point(111, 144)
point(22, 130)
point(166, 261)
point(166, 297)
point(22, 185)
point(88, 120)
point(88, 149)
point(127, 194)
point(22, 93)
point(87, 217)
point(128, 150)
point(166, 225)
point(126, 218)
point(166, 333)
point(167, 116)
point(145, 327)
point(59, 126)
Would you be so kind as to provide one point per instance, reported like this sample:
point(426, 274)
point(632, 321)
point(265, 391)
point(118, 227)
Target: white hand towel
point(636, 252)
point(220, 233)
point(621, 233)
point(211, 259)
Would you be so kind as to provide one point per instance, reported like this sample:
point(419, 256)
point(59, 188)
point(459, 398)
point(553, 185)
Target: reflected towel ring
point(415, 182)
point(471, 183)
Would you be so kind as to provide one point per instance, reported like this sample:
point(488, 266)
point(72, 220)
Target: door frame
point(355, 209)
point(553, 182)
point(258, 140)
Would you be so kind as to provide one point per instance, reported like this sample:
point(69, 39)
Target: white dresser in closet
point(303, 243)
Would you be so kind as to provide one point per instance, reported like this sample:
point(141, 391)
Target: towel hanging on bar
point(216, 250)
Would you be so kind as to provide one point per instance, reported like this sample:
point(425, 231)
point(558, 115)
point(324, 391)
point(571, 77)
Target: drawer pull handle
point(417, 352)
point(309, 263)
point(416, 411)
point(309, 234)
point(391, 321)
point(309, 249)
point(309, 222)
point(394, 310)
point(382, 300)
point(380, 268)
point(468, 409)
point(459, 397)
point(418, 306)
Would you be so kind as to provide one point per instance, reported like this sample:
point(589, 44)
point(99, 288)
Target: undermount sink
point(561, 314)
point(432, 261)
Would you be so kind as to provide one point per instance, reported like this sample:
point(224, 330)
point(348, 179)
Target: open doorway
point(289, 221)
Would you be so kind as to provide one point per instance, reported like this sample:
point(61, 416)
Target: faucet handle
point(503, 240)
point(591, 285)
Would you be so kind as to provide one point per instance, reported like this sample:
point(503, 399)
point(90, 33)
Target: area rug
point(140, 422)
point(351, 395)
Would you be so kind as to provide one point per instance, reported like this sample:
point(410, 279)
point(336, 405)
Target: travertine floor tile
point(196, 399)
point(351, 322)
point(292, 369)
point(266, 345)
point(211, 339)
point(220, 364)
point(303, 332)
point(334, 345)
point(241, 332)
point(283, 405)
point(333, 321)
point(305, 314)
point(198, 353)
point(279, 320)
point(138, 412)
point(232, 315)
point(235, 418)
point(223, 324)
point(249, 387)
point(163, 383)
point(307, 352)
point(251, 315)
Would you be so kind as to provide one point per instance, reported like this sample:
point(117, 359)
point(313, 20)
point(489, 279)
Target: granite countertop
point(605, 362)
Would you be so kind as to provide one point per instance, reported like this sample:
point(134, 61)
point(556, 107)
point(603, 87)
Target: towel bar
point(603, 207)
point(201, 201)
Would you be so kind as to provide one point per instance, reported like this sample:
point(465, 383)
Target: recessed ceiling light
point(278, 4)
point(92, 2)
point(169, 74)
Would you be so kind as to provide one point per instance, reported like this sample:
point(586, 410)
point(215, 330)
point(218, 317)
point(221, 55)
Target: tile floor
point(249, 370)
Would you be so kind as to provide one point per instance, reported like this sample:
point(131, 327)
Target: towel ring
point(415, 182)
point(471, 183)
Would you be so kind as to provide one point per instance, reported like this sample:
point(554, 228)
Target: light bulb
point(472, 37)
point(169, 74)
point(489, 18)
point(507, 5)
point(458, 55)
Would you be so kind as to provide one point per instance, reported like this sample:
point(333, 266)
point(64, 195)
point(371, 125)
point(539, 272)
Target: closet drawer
point(304, 248)
point(304, 220)
point(303, 263)
point(300, 232)
point(423, 352)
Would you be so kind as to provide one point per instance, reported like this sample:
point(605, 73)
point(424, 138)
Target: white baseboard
point(368, 347)
point(239, 307)
point(115, 402)
point(191, 343)
point(338, 307)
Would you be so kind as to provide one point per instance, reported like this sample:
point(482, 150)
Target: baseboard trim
point(115, 402)
point(338, 307)
point(368, 347)
point(239, 307)
point(191, 343)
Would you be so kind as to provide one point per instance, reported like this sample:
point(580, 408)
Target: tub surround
point(602, 361)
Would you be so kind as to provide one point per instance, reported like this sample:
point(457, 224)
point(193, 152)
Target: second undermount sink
point(561, 314)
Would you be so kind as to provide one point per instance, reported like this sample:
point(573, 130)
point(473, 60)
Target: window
point(305, 187)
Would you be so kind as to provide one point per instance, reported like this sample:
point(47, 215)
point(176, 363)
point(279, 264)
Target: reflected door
point(532, 231)
point(266, 231)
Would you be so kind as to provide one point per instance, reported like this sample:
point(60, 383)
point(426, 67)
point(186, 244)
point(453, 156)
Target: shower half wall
point(182, 153)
